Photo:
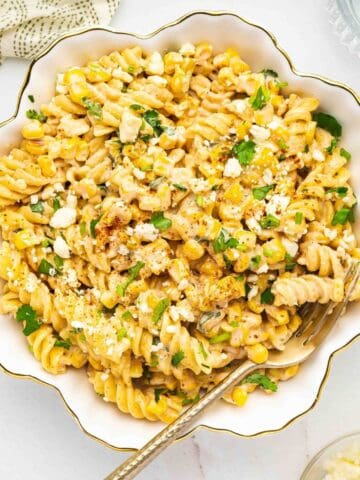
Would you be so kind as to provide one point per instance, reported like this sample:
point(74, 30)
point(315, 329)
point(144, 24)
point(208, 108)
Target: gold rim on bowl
point(180, 20)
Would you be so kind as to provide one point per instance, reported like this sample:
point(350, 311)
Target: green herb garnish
point(190, 401)
point(261, 380)
point(121, 333)
point(60, 342)
point(259, 193)
point(180, 187)
point(133, 273)
point(344, 153)
point(256, 260)
point(244, 151)
point(152, 118)
point(27, 314)
point(290, 264)
point(332, 146)
point(260, 98)
point(342, 216)
point(93, 224)
point(59, 263)
point(328, 123)
point(160, 309)
point(224, 241)
point(269, 73)
point(56, 204)
point(160, 222)
point(136, 106)
point(46, 268)
point(31, 98)
point(341, 191)
point(34, 115)
point(298, 218)
point(93, 108)
point(269, 222)
point(155, 183)
point(37, 207)
point(127, 315)
point(267, 297)
point(177, 358)
point(158, 392)
point(82, 228)
point(222, 337)
point(202, 350)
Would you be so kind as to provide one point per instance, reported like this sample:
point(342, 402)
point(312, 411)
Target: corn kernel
point(274, 251)
point(276, 100)
point(257, 353)
point(32, 130)
point(234, 193)
point(25, 238)
point(157, 408)
point(48, 168)
point(193, 249)
point(35, 147)
point(78, 91)
point(242, 263)
point(242, 129)
point(108, 299)
point(74, 75)
point(239, 395)
point(95, 73)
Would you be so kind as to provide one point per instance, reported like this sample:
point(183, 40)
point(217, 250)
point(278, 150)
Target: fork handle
point(134, 464)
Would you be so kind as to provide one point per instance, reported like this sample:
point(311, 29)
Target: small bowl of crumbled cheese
point(340, 460)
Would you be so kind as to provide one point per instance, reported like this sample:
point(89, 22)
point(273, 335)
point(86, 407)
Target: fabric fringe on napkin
point(28, 26)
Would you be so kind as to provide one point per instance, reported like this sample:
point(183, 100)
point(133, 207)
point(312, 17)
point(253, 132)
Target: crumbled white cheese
point(129, 126)
point(123, 250)
point(183, 284)
point(199, 185)
point(239, 105)
point(170, 329)
point(253, 292)
point(253, 224)
point(157, 80)
point(156, 348)
point(154, 64)
point(63, 218)
point(268, 176)
point(34, 199)
point(330, 234)
point(77, 324)
point(232, 168)
point(260, 134)
point(252, 278)
point(277, 204)
point(31, 283)
point(146, 232)
point(263, 269)
point(70, 277)
point(318, 155)
point(290, 246)
point(58, 187)
point(139, 174)
point(344, 465)
point(275, 123)
point(181, 313)
point(61, 248)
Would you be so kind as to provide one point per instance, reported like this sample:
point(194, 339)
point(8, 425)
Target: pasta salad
point(163, 219)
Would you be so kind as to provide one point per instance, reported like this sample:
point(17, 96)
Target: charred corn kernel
point(108, 299)
point(48, 168)
point(242, 129)
point(79, 91)
point(25, 238)
point(274, 251)
point(35, 147)
point(242, 263)
point(193, 249)
point(32, 130)
point(257, 353)
point(239, 395)
point(96, 73)
point(74, 75)
point(234, 193)
point(157, 408)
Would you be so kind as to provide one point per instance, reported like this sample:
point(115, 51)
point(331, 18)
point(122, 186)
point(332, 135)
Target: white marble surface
point(39, 440)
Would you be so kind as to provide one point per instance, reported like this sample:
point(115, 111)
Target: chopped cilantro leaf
point(31, 98)
point(60, 342)
point(267, 297)
point(221, 337)
point(290, 264)
point(160, 222)
point(261, 380)
point(328, 123)
point(136, 106)
point(133, 273)
point(59, 263)
point(160, 309)
point(256, 260)
point(244, 151)
point(224, 241)
point(34, 115)
point(269, 73)
point(46, 268)
point(25, 313)
point(158, 392)
point(341, 191)
point(152, 118)
point(177, 358)
point(56, 204)
point(37, 207)
point(269, 222)
point(94, 109)
point(260, 98)
point(342, 216)
point(189, 401)
point(259, 193)
point(332, 146)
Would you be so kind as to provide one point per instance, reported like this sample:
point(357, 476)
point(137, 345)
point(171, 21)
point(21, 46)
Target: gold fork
point(318, 320)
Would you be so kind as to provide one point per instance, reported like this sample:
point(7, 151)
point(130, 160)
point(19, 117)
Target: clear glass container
point(345, 18)
point(316, 468)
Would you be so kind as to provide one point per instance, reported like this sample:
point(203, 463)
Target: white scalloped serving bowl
point(263, 413)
